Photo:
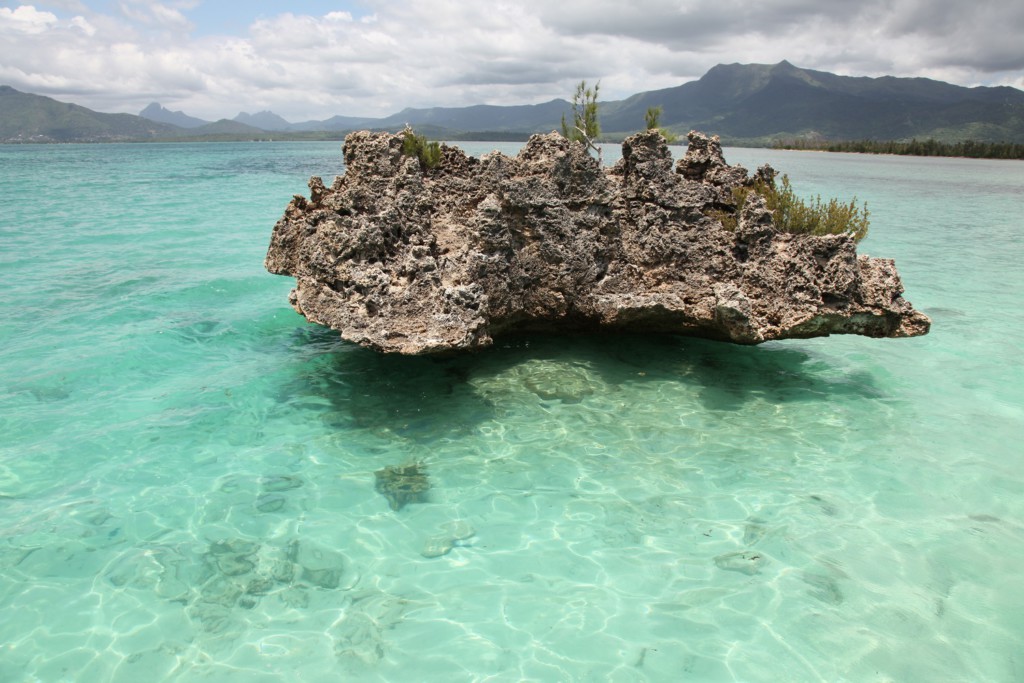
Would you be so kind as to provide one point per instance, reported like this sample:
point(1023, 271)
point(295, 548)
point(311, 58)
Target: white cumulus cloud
point(83, 24)
point(25, 19)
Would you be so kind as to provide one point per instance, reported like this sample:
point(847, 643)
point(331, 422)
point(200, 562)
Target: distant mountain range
point(155, 112)
point(522, 119)
point(744, 103)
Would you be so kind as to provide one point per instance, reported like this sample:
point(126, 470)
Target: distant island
point(745, 104)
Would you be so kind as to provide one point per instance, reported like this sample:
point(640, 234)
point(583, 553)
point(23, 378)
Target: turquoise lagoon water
point(187, 468)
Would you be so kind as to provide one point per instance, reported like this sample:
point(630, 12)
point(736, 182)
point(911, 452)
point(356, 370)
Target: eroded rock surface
point(404, 259)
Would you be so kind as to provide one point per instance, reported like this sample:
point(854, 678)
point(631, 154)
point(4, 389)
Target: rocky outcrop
point(402, 258)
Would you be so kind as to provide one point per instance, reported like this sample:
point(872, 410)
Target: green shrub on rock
point(429, 153)
point(792, 214)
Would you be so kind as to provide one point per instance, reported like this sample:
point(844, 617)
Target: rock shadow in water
point(728, 376)
point(417, 399)
point(426, 399)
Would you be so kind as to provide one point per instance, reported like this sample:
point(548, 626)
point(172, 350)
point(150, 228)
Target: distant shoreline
point(964, 149)
point(968, 149)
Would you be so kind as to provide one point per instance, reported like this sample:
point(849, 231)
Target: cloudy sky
point(317, 58)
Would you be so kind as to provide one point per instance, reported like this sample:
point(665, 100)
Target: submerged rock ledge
point(404, 259)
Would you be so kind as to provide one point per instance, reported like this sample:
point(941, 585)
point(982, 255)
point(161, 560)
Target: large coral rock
point(404, 259)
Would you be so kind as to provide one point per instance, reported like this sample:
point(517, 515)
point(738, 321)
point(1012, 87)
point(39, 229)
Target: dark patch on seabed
point(403, 484)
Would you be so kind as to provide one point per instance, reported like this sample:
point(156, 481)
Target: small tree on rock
point(585, 127)
point(653, 120)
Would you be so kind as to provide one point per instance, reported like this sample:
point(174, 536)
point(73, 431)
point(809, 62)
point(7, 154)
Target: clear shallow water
point(187, 472)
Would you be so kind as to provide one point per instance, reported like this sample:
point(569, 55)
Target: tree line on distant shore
point(921, 148)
